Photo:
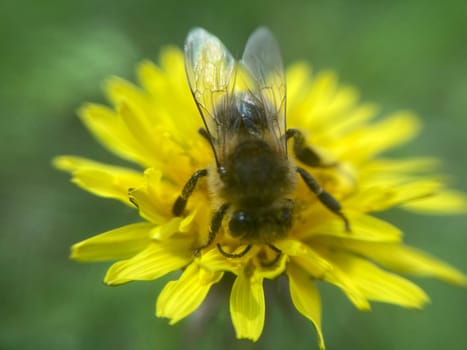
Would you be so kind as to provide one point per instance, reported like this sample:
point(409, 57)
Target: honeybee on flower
point(253, 218)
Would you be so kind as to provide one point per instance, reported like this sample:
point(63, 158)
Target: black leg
point(203, 132)
point(329, 201)
point(231, 255)
point(273, 247)
point(216, 222)
point(304, 153)
point(276, 259)
point(180, 203)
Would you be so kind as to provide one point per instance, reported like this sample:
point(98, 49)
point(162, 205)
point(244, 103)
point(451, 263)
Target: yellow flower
point(155, 125)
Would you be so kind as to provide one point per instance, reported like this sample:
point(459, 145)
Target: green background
point(54, 55)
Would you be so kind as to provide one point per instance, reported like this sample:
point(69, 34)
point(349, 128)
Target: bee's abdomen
point(256, 175)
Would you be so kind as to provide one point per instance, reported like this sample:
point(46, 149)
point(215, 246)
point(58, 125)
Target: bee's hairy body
point(252, 181)
point(257, 181)
point(255, 176)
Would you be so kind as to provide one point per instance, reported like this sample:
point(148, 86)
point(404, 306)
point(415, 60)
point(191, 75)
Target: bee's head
point(259, 223)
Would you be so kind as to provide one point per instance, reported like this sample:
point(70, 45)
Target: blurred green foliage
point(55, 55)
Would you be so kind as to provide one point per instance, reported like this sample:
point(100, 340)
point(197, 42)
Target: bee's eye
point(241, 224)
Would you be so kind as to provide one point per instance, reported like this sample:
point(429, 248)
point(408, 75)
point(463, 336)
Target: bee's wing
point(210, 70)
point(263, 61)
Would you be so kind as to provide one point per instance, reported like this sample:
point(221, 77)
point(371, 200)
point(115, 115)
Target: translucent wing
point(262, 60)
point(210, 69)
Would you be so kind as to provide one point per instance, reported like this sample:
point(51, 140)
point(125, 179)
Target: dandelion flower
point(154, 125)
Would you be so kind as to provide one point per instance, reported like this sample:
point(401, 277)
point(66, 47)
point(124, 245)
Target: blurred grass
point(55, 56)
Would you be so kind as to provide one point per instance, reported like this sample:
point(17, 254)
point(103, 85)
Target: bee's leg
point(216, 222)
point(180, 203)
point(203, 132)
point(276, 259)
point(232, 255)
point(329, 201)
point(304, 153)
point(207, 136)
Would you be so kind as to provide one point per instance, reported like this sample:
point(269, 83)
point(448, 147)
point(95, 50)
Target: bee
point(242, 104)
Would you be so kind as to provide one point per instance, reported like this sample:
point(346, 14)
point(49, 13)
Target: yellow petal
point(163, 82)
point(155, 197)
point(167, 229)
point(173, 226)
point(406, 259)
point(305, 297)
point(213, 260)
point(108, 127)
point(170, 98)
point(139, 126)
point(380, 285)
point(398, 166)
point(443, 202)
point(320, 267)
point(324, 86)
point(368, 141)
point(298, 77)
point(346, 122)
point(349, 286)
point(384, 193)
point(304, 254)
point(120, 243)
point(158, 259)
point(319, 105)
point(119, 90)
point(314, 110)
point(363, 227)
point(180, 298)
point(152, 78)
point(172, 61)
point(247, 306)
point(268, 270)
point(100, 179)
